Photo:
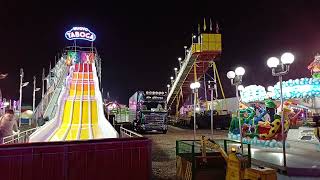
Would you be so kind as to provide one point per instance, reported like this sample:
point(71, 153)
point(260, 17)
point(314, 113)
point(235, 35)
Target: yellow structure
point(260, 174)
point(238, 166)
point(207, 42)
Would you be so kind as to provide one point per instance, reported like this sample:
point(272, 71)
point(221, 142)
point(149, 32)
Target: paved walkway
point(301, 160)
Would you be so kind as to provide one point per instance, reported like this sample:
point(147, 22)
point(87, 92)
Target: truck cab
point(148, 111)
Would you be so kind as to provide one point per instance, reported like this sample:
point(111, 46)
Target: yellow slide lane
point(85, 111)
point(94, 115)
point(65, 122)
point(84, 134)
point(79, 120)
point(72, 134)
point(96, 131)
point(94, 112)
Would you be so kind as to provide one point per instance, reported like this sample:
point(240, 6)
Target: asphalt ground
point(164, 152)
point(164, 149)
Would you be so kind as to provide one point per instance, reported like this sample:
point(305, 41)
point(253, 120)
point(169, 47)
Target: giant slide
point(80, 113)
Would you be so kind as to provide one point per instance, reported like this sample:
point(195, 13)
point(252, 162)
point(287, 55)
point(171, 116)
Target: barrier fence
point(121, 158)
point(125, 133)
point(20, 137)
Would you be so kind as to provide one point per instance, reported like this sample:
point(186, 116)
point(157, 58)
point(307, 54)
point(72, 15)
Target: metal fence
point(21, 137)
point(128, 133)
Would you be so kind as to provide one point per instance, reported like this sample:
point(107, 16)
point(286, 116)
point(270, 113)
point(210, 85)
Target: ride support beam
point(218, 77)
point(177, 106)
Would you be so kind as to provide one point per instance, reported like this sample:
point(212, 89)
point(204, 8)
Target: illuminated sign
point(80, 33)
point(155, 93)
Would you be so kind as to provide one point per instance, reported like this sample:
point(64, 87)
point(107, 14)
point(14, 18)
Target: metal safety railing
point(181, 76)
point(20, 137)
point(48, 104)
point(128, 133)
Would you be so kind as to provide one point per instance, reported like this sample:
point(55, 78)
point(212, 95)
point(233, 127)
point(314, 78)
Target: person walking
point(8, 125)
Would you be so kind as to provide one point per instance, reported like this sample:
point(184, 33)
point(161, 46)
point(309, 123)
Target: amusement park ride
point(261, 110)
point(74, 108)
point(77, 111)
point(205, 49)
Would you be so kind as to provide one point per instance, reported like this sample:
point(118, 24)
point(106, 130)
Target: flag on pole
point(217, 28)
point(204, 24)
point(210, 25)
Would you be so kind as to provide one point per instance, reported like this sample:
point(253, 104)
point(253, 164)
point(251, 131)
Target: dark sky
point(139, 42)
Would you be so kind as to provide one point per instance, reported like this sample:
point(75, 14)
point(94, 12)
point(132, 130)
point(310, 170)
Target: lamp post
point(185, 51)
point(240, 88)
point(279, 69)
point(193, 38)
point(236, 80)
point(35, 89)
point(22, 84)
point(5, 105)
point(212, 86)
point(176, 72)
point(171, 78)
point(194, 86)
point(180, 61)
point(168, 86)
point(42, 92)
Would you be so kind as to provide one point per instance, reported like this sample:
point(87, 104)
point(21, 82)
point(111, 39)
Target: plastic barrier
point(127, 158)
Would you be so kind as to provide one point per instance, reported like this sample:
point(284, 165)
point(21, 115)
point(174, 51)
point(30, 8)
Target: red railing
point(125, 158)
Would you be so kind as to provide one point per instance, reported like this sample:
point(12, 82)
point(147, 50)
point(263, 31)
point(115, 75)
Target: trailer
point(148, 111)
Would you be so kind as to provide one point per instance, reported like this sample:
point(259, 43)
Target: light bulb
point(240, 87)
point(231, 74)
point(273, 62)
point(270, 88)
point(240, 71)
point(287, 58)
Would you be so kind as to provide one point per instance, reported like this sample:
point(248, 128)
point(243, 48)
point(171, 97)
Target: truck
point(148, 111)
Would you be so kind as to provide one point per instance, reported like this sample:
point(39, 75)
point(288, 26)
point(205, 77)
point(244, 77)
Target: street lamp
point(194, 86)
point(176, 72)
point(171, 78)
point(42, 89)
point(35, 89)
point(185, 50)
point(236, 80)
point(240, 87)
point(193, 38)
point(212, 86)
point(168, 86)
point(22, 84)
point(270, 88)
point(280, 68)
point(180, 61)
point(5, 105)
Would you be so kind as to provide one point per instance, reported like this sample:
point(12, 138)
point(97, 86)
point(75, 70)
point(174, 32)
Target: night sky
point(139, 43)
